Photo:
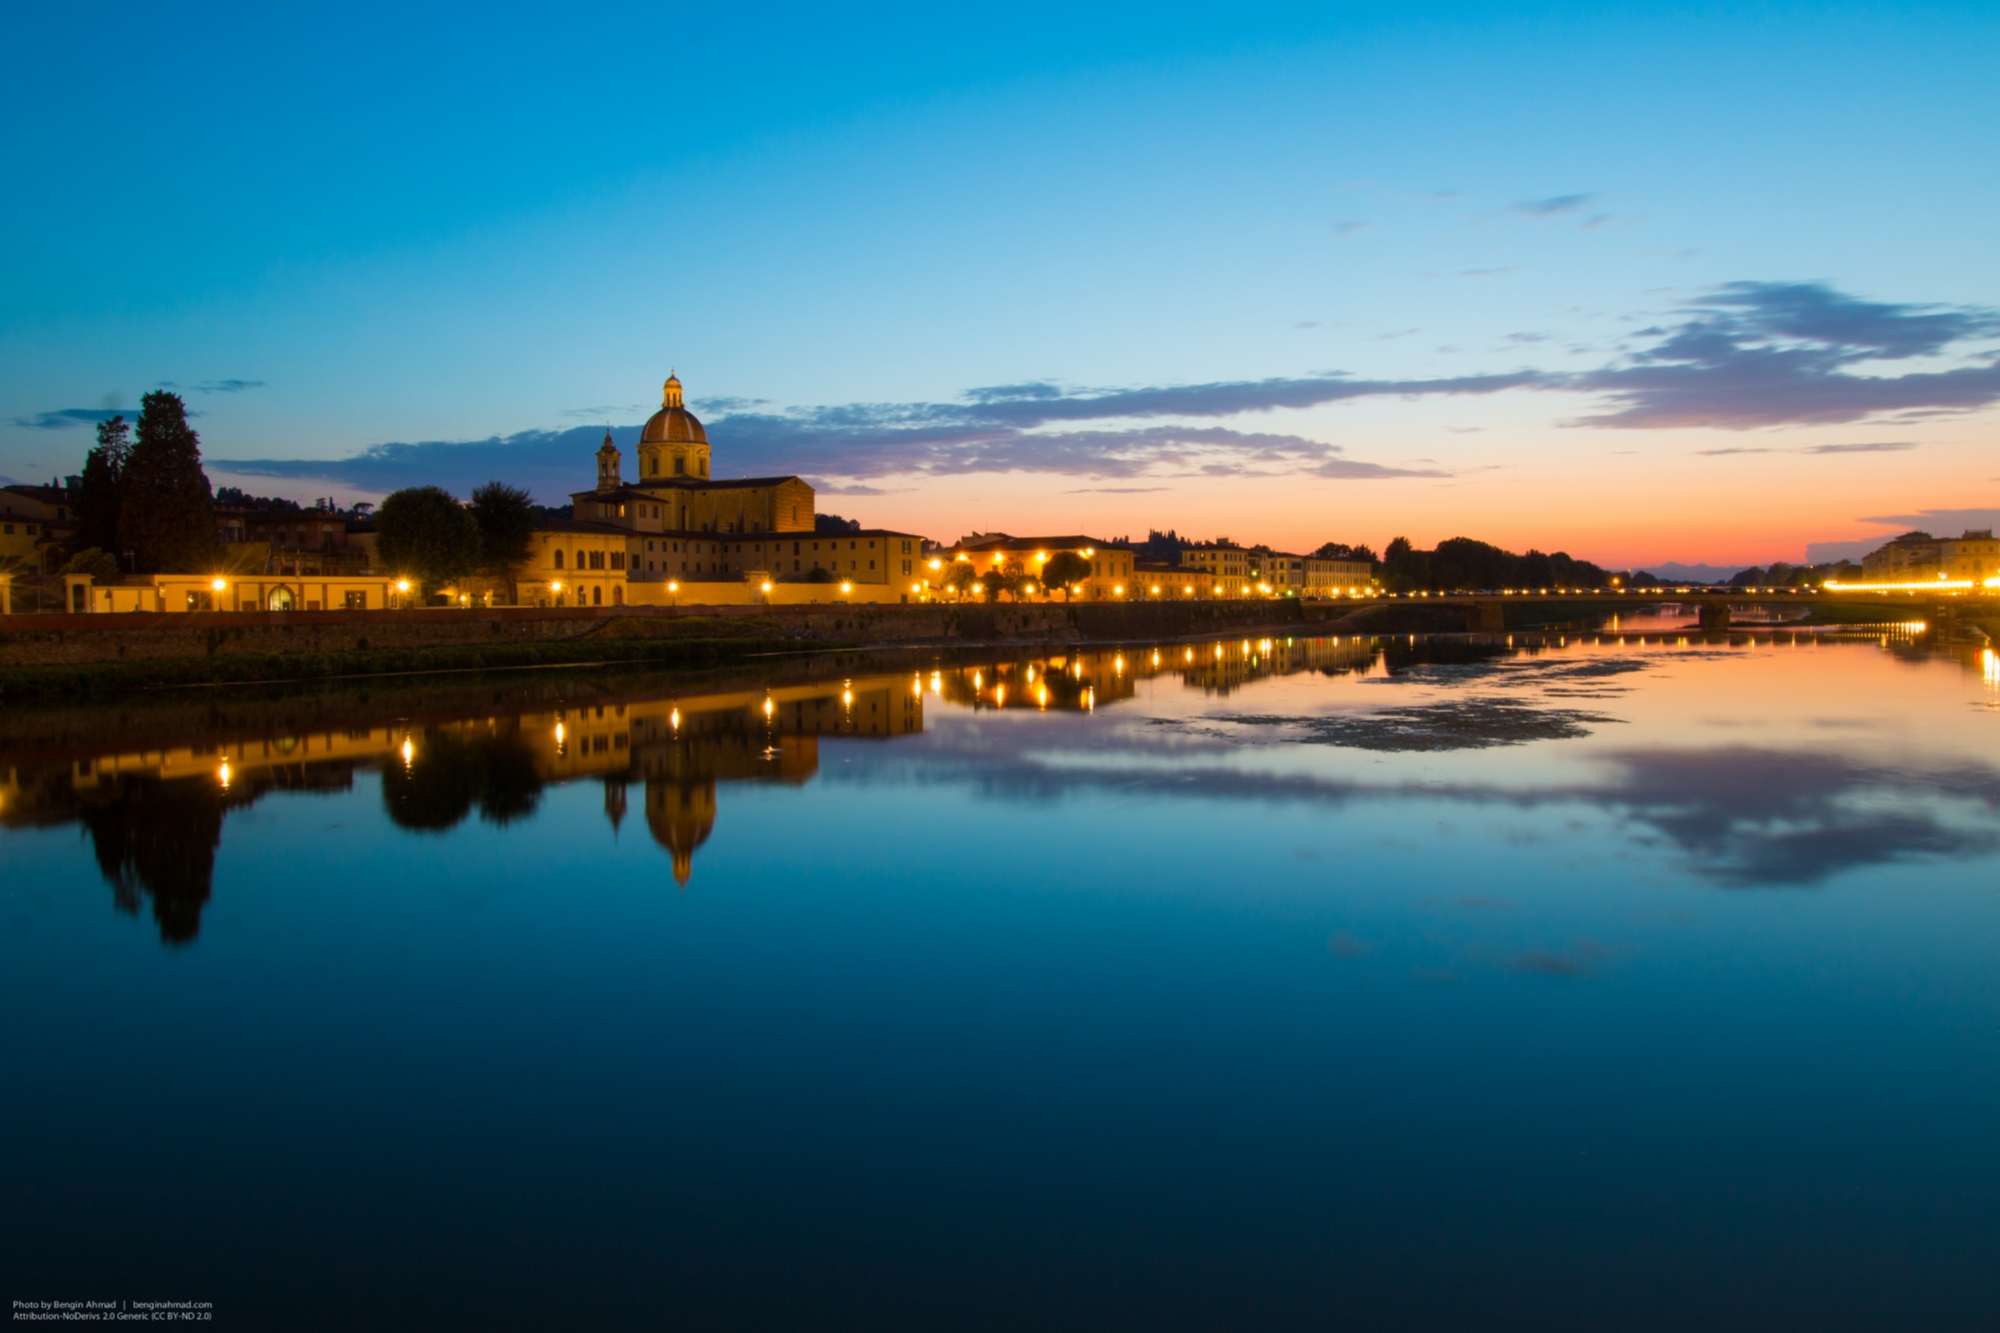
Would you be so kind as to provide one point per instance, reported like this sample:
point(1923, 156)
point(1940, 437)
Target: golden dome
point(673, 424)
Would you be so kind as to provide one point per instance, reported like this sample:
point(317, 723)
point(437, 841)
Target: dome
point(673, 424)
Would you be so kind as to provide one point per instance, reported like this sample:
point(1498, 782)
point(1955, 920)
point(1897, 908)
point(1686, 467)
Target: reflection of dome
point(673, 424)
point(681, 816)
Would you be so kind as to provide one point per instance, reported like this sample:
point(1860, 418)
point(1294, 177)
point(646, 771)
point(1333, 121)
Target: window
point(680, 467)
point(597, 559)
point(596, 595)
point(357, 601)
point(618, 560)
point(556, 555)
point(906, 550)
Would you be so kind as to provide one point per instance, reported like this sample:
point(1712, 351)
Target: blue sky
point(1702, 284)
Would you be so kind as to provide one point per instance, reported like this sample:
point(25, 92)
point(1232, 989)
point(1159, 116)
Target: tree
point(103, 477)
point(506, 518)
point(833, 525)
point(960, 576)
point(100, 565)
point(1065, 569)
point(425, 532)
point(164, 517)
point(1007, 578)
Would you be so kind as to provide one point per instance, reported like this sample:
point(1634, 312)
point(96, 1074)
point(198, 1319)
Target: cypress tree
point(165, 520)
point(103, 478)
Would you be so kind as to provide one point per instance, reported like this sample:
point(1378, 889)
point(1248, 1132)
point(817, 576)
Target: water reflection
point(1737, 814)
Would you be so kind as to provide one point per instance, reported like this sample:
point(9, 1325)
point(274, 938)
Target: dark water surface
point(1307, 984)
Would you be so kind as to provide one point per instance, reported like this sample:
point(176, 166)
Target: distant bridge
point(1486, 608)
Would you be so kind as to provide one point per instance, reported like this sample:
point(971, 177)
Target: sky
point(1701, 284)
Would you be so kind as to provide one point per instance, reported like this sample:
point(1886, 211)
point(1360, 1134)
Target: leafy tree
point(99, 564)
point(164, 517)
point(1005, 578)
point(1345, 551)
point(424, 531)
point(506, 518)
point(1065, 569)
point(960, 576)
point(833, 525)
point(103, 478)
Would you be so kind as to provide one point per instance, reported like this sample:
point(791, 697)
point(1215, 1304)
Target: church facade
point(675, 493)
point(677, 534)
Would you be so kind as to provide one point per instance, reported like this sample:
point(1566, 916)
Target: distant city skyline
point(1713, 287)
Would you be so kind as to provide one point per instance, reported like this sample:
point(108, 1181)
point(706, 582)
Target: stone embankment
point(81, 640)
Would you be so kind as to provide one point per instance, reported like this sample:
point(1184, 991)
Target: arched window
point(656, 465)
point(597, 595)
point(558, 557)
point(680, 466)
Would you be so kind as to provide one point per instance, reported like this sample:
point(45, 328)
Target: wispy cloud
point(1116, 490)
point(1747, 355)
point(1942, 520)
point(1342, 230)
point(67, 418)
point(1553, 206)
point(1767, 354)
point(1876, 447)
point(228, 386)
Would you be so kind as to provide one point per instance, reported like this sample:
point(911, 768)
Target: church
point(677, 534)
point(674, 491)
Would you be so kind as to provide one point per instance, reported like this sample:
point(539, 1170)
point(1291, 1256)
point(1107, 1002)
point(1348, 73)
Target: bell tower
point(608, 464)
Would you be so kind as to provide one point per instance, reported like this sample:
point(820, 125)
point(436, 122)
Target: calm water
point(1250, 984)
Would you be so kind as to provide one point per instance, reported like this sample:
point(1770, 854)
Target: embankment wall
point(73, 640)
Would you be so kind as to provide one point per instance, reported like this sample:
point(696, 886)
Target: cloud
point(1343, 230)
point(1748, 817)
point(824, 487)
point(1755, 354)
point(66, 418)
point(1553, 206)
point(1580, 960)
point(228, 386)
point(1939, 519)
point(1595, 222)
point(1117, 490)
point(1748, 355)
point(1876, 447)
point(1486, 272)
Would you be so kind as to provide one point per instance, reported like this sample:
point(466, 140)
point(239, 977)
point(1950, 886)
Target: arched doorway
point(280, 599)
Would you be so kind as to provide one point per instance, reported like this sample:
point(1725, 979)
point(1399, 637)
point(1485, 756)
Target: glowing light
point(938, 564)
point(847, 698)
point(1117, 590)
point(409, 750)
point(846, 586)
point(555, 585)
point(1042, 696)
point(767, 585)
point(769, 707)
point(937, 683)
point(1090, 550)
point(999, 695)
point(674, 719)
point(673, 585)
point(218, 585)
point(403, 585)
point(222, 774)
point(1940, 584)
point(1990, 661)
